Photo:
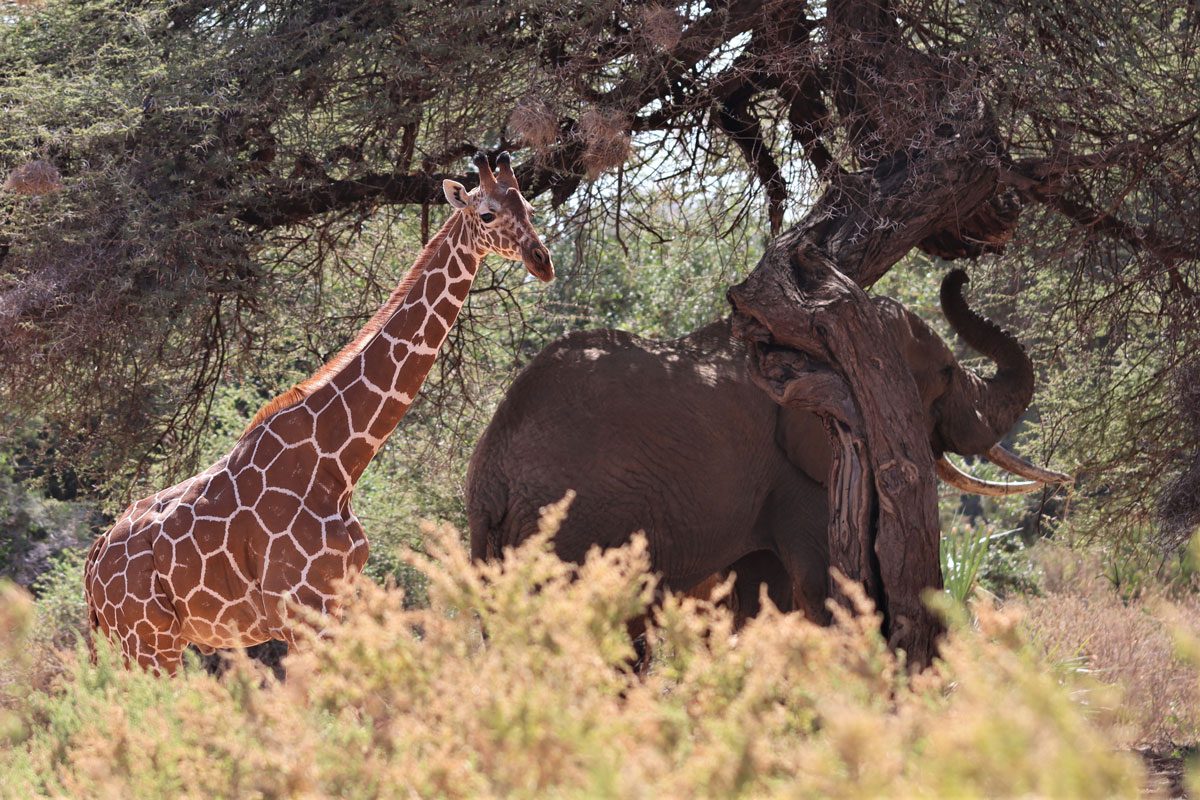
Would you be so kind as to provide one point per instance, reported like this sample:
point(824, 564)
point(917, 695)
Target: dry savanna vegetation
point(202, 202)
point(397, 701)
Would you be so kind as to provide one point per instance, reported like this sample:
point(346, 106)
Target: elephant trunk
point(986, 407)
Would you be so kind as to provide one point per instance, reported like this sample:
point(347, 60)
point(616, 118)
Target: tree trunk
point(929, 149)
point(868, 401)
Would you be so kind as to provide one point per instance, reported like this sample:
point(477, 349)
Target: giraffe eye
point(487, 216)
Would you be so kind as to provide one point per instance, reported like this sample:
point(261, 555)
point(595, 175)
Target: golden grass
point(396, 702)
point(1083, 623)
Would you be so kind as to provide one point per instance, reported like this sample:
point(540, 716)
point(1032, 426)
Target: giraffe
point(212, 560)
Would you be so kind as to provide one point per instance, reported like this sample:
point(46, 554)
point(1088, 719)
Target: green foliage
point(1105, 408)
point(1133, 565)
point(963, 550)
point(1009, 569)
point(395, 701)
point(176, 129)
point(61, 610)
point(979, 555)
point(660, 283)
point(35, 528)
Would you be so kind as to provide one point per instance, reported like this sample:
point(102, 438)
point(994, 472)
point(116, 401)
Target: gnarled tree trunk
point(928, 149)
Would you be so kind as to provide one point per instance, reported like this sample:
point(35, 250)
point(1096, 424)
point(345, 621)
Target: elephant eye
point(487, 216)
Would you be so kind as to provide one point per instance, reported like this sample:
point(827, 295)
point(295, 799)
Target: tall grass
point(396, 702)
point(1085, 620)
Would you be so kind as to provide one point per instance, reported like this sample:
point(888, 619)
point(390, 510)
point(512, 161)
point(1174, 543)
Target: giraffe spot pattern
point(213, 560)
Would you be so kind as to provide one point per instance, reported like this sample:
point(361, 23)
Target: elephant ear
point(802, 438)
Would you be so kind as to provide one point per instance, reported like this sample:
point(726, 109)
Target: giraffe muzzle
point(537, 261)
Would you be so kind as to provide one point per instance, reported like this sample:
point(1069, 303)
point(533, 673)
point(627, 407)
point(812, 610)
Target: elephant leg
point(754, 571)
point(639, 664)
point(637, 626)
point(795, 518)
point(751, 572)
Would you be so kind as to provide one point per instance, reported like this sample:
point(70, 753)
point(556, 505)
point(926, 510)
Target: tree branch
point(1145, 238)
point(296, 201)
point(559, 172)
point(1044, 180)
point(736, 117)
point(698, 41)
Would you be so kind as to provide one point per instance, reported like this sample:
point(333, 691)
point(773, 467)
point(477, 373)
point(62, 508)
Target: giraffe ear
point(456, 193)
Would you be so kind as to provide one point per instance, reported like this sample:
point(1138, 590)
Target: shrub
point(61, 610)
point(36, 528)
point(396, 701)
point(1087, 621)
point(963, 550)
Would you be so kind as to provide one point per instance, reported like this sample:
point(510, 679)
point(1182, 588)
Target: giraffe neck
point(365, 398)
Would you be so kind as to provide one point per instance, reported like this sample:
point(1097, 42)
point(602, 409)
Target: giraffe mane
point(306, 387)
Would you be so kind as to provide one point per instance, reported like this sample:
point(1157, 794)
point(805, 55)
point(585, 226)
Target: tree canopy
point(183, 176)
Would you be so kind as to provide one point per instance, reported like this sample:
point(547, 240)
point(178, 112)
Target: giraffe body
point(213, 560)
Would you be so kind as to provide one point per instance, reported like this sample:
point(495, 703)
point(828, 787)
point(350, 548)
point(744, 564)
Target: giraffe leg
point(153, 640)
point(128, 604)
point(312, 578)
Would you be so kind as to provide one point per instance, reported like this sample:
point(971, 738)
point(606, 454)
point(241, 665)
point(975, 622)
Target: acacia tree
point(195, 156)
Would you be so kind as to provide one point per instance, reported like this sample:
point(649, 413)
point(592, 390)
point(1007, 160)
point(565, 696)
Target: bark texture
point(808, 320)
point(929, 178)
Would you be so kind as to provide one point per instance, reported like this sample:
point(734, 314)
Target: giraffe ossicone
point(212, 561)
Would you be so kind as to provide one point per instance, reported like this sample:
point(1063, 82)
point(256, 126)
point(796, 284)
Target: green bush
point(962, 550)
point(61, 610)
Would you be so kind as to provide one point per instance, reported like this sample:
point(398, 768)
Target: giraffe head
point(500, 218)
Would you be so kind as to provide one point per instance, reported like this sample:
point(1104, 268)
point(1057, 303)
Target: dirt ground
point(1167, 772)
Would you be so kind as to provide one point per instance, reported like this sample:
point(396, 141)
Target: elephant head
point(974, 412)
point(966, 413)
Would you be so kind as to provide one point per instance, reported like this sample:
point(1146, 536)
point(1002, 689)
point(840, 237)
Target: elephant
point(674, 439)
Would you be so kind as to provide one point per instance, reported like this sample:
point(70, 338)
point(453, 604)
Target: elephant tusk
point(951, 474)
point(1008, 460)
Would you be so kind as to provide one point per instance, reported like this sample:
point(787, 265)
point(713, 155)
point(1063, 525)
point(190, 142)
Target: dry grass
point(398, 702)
point(1081, 622)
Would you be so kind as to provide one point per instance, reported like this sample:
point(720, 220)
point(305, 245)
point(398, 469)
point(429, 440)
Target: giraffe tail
point(89, 569)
